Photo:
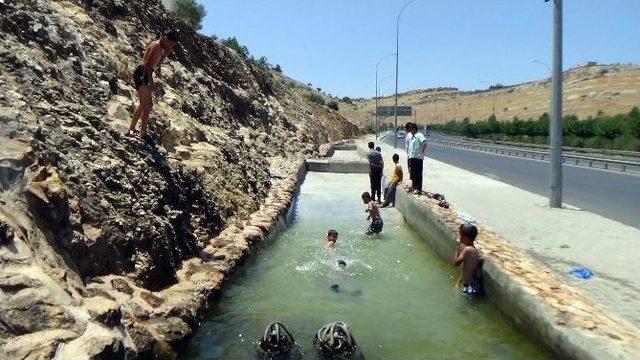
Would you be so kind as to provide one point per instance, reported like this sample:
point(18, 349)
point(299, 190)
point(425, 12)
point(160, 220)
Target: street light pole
point(555, 136)
point(377, 94)
point(395, 110)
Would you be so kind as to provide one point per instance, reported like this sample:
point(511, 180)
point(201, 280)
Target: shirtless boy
point(332, 237)
point(469, 257)
point(374, 214)
point(154, 55)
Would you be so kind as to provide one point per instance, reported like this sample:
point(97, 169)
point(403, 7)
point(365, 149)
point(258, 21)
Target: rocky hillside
point(80, 201)
point(587, 90)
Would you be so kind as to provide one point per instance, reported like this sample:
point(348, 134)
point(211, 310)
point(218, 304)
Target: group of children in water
point(464, 252)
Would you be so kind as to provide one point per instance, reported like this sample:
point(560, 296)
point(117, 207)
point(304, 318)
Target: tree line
point(621, 132)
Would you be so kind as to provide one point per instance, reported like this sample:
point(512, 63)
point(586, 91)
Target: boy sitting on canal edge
point(374, 214)
point(332, 237)
point(396, 179)
point(469, 257)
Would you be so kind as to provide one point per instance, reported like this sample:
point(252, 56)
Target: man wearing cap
point(154, 55)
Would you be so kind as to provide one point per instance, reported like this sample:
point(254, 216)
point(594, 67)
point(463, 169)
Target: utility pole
point(395, 109)
point(555, 131)
point(377, 102)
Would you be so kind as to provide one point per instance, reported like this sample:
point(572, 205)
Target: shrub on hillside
point(233, 44)
point(315, 98)
point(347, 100)
point(333, 105)
point(190, 12)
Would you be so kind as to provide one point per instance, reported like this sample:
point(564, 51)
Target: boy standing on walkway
point(417, 146)
point(375, 171)
point(407, 141)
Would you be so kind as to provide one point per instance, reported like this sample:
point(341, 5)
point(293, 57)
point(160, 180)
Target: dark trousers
point(409, 168)
point(375, 177)
point(415, 170)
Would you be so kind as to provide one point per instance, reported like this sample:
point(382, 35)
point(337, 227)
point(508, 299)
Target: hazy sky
point(335, 45)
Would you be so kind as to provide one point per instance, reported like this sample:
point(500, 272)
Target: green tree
point(634, 122)
point(542, 125)
point(190, 12)
point(493, 125)
point(233, 44)
point(347, 100)
point(609, 128)
point(277, 68)
point(333, 105)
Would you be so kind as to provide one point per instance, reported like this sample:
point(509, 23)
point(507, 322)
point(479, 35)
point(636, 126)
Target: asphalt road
point(610, 194)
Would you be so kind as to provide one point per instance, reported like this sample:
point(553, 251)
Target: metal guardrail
point(583, 150)
point(579, 160)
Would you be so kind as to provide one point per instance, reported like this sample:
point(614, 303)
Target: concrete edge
point(337, 166)
point(537, 302)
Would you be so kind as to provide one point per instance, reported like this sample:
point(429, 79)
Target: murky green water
point(396, 294)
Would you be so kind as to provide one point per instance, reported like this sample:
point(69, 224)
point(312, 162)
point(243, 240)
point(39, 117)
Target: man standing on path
point(154, 55)
point(407, 141)
point(376, 166)
point(417, 146)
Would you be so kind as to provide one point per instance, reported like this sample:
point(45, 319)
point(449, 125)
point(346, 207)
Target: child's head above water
point(366, 197)
point(378, 149)
point(395, 158)
point(342, 264)
point(468, 233)
point(332, 236)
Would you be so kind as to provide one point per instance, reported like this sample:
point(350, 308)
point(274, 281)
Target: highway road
point(610, 194)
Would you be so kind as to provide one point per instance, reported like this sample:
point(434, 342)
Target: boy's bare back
point(374, 211)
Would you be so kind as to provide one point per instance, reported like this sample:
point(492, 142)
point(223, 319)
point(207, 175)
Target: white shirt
point(414, 146)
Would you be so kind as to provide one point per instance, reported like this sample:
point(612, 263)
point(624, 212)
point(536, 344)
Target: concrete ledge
point(337, 166)
point(538, 303)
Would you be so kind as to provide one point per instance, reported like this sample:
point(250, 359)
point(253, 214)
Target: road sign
point(389, 111)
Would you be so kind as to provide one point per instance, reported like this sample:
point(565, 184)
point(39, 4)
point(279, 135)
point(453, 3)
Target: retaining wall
point(337, 166)
point(543, 307)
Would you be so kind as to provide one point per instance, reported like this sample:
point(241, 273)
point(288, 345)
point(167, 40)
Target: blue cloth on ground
point(582, 273)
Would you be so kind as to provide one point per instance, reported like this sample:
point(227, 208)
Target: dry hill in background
point(588, 90)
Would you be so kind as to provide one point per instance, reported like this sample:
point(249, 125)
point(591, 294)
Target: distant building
point(588, 64)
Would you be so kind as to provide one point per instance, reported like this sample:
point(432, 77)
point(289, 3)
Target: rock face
point(94, 226)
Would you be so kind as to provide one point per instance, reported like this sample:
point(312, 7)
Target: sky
point(335, 45)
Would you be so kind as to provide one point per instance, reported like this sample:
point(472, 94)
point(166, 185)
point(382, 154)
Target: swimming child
point(342, 264)
point(374, 214)
point(469, 257)
point(332, 237)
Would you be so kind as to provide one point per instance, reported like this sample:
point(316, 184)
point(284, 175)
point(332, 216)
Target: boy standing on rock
point(374, 215)
point(154, 55)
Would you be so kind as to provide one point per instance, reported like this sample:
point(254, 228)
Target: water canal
point(395, 294)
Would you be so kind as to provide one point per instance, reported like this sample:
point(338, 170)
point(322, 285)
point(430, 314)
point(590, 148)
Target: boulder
point(103, 310)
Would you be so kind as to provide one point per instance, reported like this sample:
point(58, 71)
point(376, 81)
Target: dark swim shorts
point(471, 291)
point(140, 77)
point(375, 227)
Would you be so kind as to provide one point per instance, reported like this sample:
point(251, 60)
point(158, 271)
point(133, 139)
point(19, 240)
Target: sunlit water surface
point(396, 294)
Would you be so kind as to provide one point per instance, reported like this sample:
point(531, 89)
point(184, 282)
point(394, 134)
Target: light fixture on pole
point(395, 110)
point(377, 94)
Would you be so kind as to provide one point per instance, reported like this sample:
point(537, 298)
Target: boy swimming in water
point(374, 214)
point(469, 257)
point(332, 237)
